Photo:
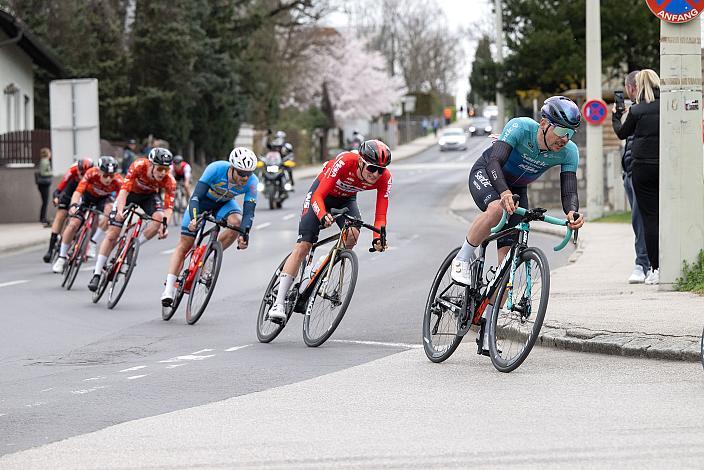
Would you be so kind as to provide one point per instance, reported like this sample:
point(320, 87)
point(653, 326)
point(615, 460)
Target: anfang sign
point(676, 11)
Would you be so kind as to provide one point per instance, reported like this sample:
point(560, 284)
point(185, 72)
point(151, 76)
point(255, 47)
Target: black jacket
point(643, 123)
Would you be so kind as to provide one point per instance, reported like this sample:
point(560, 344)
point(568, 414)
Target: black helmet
point(107, 164)
point(375, 152)
point(161, 156)
point(562, 112)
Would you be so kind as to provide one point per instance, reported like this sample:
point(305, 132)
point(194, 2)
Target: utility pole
point(500, 118)
point(595, 153)
point(681, 166)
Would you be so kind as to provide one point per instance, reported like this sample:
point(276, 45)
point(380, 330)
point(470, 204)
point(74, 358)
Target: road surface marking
point(168, 252)
point(137, 377)
point(87, 268)
point(32, 405)
point(100, 377)
point(187, 358)
point(202, 351)
point(47, 390)
point(172, 366)
point(13, 283)
point(87, 390)
point(133, 368)
point(378, 343)
point(3, 414)
point(289, 217)
point(264, 225)
point(236, 348)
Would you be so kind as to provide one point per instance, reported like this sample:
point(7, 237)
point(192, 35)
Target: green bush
point(692, 276)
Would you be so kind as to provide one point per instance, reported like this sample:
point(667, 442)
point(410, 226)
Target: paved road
point(72, 367)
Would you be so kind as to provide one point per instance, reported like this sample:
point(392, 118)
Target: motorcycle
point(273, 181)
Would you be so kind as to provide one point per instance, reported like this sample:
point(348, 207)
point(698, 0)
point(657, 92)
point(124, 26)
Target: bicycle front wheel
point(122, 274)
point(204, 283)
point(513, 330)
point(267, 330)
point(442, 313)
point(168, 312)
point(77, 260)
point(330, 298)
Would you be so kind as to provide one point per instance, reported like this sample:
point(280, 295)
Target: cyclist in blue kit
point(524, 151)
point(215, 192)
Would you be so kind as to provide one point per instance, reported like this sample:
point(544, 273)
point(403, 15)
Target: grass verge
point(615, 218)
point(692, 279)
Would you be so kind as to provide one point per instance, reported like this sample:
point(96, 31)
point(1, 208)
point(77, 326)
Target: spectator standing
point(129, 155)
point(642, 264)
point(436, 125)
point(43, 177)
point(642, 121)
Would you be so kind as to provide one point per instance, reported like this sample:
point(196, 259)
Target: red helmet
point(375, 152)
point(84, 165)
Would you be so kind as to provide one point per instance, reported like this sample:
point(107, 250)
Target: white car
point(453, 139)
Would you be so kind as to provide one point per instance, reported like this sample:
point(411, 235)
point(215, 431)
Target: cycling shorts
point(309, 226)
point(220, 210)
point(66, 194)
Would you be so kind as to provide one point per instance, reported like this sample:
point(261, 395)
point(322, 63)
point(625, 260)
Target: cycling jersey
point(215, 192)
point(92, 184)
point(139, 180)
point(71, 175)
point(339, 179)
point(526, 162)
point(181, 171)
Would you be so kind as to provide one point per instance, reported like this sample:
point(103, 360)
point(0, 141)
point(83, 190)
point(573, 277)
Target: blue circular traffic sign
point(594, 111)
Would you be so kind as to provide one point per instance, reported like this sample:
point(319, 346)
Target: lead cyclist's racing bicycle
point(521, 282)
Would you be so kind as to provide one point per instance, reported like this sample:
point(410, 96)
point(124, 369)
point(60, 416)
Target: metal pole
point(500, 118)
point(681, 167)
point(595, 154)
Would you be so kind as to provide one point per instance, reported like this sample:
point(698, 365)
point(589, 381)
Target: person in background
point(129, 155)
point(642, 265)
point(642, 121)
point(43, 177)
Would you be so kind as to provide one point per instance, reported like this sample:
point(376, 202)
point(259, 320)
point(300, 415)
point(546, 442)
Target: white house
point(20, 52)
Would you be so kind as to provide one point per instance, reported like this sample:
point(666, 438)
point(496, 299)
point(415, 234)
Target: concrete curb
point(619, 343)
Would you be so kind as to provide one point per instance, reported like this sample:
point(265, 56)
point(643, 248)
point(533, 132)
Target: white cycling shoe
point(277, 313)
point(460, 271)
point(167, 298)
point(59, 264)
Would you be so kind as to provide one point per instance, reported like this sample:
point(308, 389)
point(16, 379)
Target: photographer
point(642, 121)
point(642, 265)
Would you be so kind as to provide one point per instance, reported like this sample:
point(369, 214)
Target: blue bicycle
point(521, 282)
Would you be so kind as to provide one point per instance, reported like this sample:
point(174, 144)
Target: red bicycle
point(199, 278)
point(118, 270)
point(77, 252)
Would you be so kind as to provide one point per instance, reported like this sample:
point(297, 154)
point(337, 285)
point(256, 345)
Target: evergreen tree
point(483, 77)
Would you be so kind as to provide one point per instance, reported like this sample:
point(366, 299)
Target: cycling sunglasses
point(243, 173)
point(374, 168)
point(563, 131)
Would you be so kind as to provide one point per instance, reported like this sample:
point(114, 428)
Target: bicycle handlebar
point(355, 222)
point(206, 215)
point(544, 218)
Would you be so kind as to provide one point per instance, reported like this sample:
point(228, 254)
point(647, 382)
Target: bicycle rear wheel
point(204, 283)
point(268, 330)
point(121, 276)
point(330, 298)
point(77, 260)
point(442, 313)
point(513, 332)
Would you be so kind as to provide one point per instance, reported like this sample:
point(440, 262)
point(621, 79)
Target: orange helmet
point(84, 165)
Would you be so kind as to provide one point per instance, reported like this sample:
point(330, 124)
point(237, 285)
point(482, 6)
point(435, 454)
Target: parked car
point(453, 139)
point(480, 126)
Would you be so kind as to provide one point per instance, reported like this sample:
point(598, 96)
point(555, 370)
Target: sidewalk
point(592, 307)
point(14, 237)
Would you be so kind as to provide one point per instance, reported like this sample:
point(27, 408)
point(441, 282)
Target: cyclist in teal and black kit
point(524, 151)
point(215, 192)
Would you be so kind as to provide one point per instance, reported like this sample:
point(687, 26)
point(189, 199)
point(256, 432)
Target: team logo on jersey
point(476, 185)
point(306, 203)
point(483, 179)
point(338, 164)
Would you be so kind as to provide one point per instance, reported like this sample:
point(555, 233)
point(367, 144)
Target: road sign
point(594, 111)
point(676, 11)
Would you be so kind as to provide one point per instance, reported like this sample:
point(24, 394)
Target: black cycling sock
point(52, 240)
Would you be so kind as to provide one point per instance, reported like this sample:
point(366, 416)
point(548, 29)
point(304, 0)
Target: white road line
point(186, 358)
point(3, 414)
point(378, 343)
point(264, 225)
point(168, 252)
point(289, 217)
point(236, 348)
point(87, 390)
point(133, 368)
point(172, 366)
point(13, 283)
point(202, 351)
point(32, 405)
point(47, 390)
point(100, 377)
point(136, 377)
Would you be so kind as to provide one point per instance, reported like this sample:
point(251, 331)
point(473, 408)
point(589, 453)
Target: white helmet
point(243, 159)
